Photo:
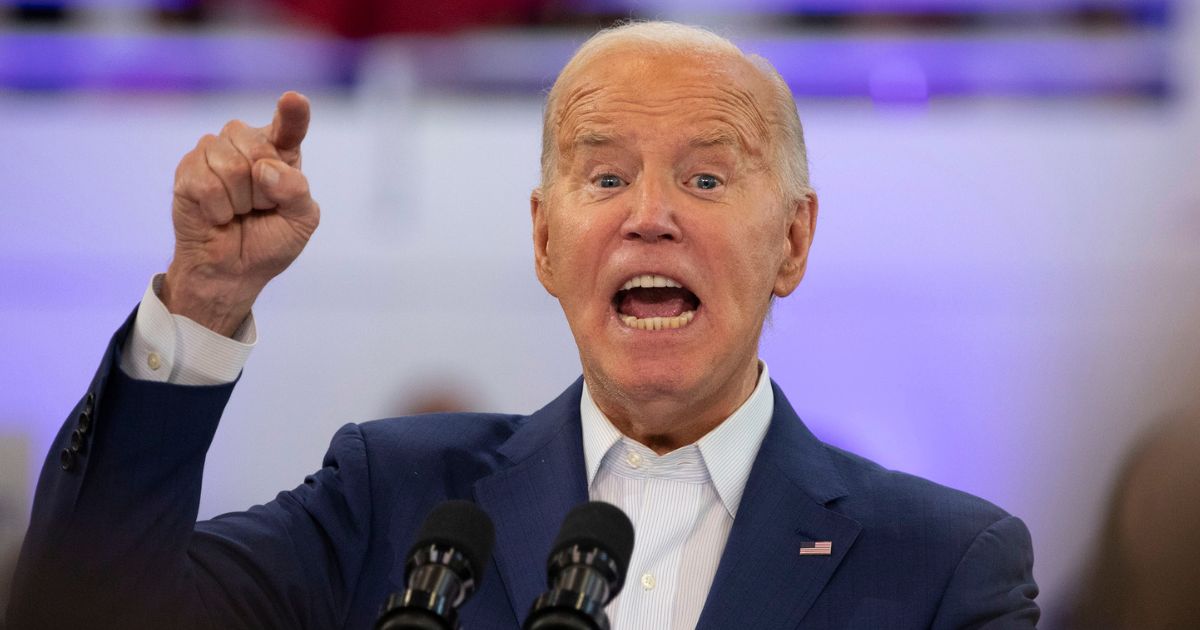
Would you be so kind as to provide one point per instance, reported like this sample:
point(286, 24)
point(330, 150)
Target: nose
point(652, 217)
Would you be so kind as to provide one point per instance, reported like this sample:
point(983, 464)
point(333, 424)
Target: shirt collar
point(728, 450)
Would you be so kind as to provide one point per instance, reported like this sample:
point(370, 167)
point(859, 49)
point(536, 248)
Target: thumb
point(284, 186)
point(290, 124)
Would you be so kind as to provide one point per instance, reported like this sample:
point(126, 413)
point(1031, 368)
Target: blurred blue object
point(174, 61)
point(887, 51)
point(882, 68)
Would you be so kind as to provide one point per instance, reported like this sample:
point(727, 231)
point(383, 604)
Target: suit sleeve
point(993, 585)
point(113, 540)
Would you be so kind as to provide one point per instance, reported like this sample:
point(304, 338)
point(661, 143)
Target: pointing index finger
point(288, 128)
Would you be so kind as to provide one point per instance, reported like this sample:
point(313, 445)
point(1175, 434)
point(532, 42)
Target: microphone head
point(463, 526)
point(600, 525)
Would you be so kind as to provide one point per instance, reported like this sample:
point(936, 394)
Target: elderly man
point(674, 207)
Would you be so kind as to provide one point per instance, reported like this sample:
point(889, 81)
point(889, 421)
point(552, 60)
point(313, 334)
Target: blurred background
point(1003, 295)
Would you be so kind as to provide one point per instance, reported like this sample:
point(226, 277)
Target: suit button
point(66, 459)
point(84, 422)
point(77, 441)
point(89, 403)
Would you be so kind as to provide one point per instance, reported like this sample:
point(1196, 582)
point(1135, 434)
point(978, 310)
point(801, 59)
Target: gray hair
point(790, 167)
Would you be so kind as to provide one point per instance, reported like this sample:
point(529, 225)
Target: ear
point(799, 240)
point(539, 212)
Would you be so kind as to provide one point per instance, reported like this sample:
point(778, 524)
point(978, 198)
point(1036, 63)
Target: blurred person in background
point(674, 207)
point(1145, 569)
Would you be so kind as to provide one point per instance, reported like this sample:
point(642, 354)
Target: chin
point(649, 380)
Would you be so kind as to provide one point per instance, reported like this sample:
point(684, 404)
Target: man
point(674, 207)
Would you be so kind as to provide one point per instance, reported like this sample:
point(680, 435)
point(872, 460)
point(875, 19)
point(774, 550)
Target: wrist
point(218, 306)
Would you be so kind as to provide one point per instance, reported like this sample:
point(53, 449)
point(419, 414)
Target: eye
point(608, 180)
point(705, 181)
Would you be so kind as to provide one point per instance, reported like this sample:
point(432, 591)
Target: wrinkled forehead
point(706, 99)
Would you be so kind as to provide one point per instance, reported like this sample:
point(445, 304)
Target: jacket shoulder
point(901, 501)
point(458, 446)
point(965, 556)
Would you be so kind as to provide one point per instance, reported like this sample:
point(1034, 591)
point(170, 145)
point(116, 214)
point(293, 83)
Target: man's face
point(662, 177)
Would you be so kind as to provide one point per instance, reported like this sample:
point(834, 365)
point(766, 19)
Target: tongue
point(659, 302)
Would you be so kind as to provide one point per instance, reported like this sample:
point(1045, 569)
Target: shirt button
point(153, 362)
point(647, 581)
point(634, 459)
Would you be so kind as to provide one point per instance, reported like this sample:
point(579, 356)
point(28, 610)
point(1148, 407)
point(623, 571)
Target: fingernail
point(269, 175)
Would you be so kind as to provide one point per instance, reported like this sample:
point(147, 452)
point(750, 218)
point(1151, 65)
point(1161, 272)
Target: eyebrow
point(716, 137)
point(593, 138)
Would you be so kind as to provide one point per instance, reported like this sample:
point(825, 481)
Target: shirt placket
point(667, 508)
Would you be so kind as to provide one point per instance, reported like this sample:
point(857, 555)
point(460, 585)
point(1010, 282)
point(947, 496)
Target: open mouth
point(653, 302)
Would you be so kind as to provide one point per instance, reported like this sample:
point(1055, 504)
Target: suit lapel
point(529, 499)
point(762, 580)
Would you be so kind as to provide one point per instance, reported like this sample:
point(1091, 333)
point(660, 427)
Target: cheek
point(749, 262)
point(576, 252)
point(771, 250)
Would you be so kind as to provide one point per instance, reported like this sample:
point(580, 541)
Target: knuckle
point(208, 188)
point(240, 169)
point(181, 170)
point(261, 149)
point(291, 156)
point(205, 141)
point(190, 159)
point(300, 188)
point(233, 168)
point(191, 164)
point(232, 127)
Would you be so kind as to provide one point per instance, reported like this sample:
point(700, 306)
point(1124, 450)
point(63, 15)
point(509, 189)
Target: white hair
point(790, 164)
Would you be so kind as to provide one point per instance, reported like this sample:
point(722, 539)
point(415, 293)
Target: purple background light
point(1005, 63)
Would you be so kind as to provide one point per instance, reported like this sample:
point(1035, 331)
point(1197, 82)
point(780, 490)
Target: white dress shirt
point(682, 504)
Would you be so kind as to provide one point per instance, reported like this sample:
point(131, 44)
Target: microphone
point(444, 568)
point(586, 569)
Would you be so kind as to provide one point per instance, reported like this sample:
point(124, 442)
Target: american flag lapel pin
point(816, 548)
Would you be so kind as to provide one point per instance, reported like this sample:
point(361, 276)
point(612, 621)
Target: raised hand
point(242, 213)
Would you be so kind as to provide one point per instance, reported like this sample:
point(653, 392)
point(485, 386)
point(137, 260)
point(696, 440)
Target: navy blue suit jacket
point(114, 540)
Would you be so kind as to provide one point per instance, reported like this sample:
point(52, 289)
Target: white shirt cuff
point(174, 349)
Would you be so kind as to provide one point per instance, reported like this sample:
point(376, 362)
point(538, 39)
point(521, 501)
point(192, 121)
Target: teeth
point(650, 281)
point(659, 323)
